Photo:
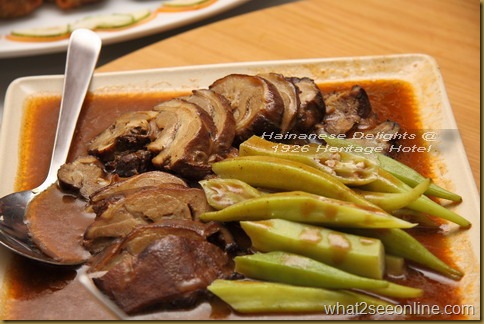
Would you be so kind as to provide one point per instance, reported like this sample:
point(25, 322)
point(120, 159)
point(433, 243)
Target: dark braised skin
point(183, 144)
point(219, 109)
point(167, 265)
point(127, 164)
point(256, 103)
point(290, 98)
point(311, 104)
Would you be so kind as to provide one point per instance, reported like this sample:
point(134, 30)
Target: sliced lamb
point(220, 110)
point(161, 266)
point(345, 110)
point(130, 132)
point(184, 142)
point(256, 104)
point(139, 238)
point(85, 175)
point(311, 104)
point(289, 95)
point(142, 206)
point(147, 179)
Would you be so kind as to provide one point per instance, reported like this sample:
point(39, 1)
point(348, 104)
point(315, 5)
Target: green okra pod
point(413, 178)
point(399, 170)
point(388, 183)
point(222, 193)
point(393, 201)
point(413, 216)
point(359, 255)
point(298, 270)
point(350, 169)
point(247, 296)
point(306, 208)
point(397, 291)
point(394, 265)
point(400, 243)
point(280, 174)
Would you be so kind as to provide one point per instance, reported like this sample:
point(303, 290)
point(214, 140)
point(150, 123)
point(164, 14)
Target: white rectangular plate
point(420, 71)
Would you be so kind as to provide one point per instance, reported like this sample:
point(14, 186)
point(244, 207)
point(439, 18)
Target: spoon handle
point(82, 54)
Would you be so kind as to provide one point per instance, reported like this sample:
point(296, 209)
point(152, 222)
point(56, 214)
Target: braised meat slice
point(289, 96)
point(184, 142)
point(140, 237)
point(85, 175)
point(256, 104)
point(311, 104)
point(144, 206)
point(220, 110)
point(130, 132)
point(167, 267)
point(147, 179)
point(345, 110)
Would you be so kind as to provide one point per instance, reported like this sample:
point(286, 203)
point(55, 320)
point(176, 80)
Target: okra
point(394, 265)
point(400, 243)
point(298, 270)
point(222, 193)
point(246, 296)
point(393, 201)
point(413, 178)
point(280, 174)
point(388, 183)
point(355, 254)
point(398, 291)
point(413, 216)
point(306, 208)
point(350, 169)
point(399, 170)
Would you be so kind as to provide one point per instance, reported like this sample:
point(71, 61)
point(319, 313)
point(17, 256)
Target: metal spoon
point(82, 54)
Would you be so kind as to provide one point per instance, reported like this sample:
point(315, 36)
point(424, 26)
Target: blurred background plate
point(50, 15)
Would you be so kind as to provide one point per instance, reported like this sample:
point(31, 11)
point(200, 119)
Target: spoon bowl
point(82, 54)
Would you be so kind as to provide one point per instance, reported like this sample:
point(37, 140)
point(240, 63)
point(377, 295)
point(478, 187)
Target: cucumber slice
point(104, 21)
point(183, 3)
point(53, 31)
point(140, 15)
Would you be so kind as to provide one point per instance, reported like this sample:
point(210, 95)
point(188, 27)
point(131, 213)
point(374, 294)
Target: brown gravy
point(46, 292)
point(55, 214)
